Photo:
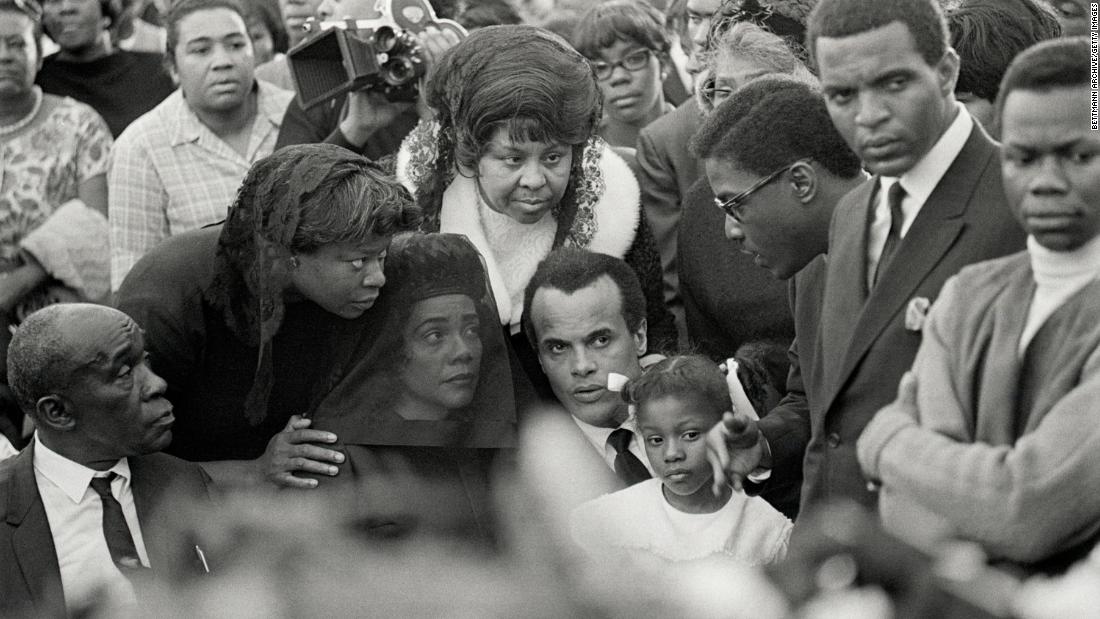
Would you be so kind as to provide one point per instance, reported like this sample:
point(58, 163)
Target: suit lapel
point(845, 284)
point(146, 485)
point(931, 235)
point(32, 540)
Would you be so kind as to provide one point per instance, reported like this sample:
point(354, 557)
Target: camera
point(380, 52)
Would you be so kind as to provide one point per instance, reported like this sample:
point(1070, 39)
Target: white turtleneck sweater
point(1058, 276)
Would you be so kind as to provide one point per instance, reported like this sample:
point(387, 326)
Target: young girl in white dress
point(676, 516)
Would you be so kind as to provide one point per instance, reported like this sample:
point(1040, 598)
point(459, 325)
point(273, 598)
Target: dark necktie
point(627, 466)
point(893, 239)
point(115, 529)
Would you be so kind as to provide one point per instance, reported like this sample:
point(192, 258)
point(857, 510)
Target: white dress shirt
point(919, 183)
point(75, 515)
point(598, 437)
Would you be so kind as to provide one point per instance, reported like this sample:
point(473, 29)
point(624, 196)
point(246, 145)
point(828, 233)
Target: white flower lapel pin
point(916, 312)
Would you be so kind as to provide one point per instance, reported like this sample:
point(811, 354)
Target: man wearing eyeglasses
point(778, 168)
point(935, 204)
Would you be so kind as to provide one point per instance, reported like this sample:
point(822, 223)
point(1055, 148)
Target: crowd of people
point(744, 307)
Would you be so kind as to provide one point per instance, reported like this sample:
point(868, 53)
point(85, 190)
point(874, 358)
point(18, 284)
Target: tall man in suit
point(994, 435)
point(585, 319)
point(77, 502)
point(935, 204)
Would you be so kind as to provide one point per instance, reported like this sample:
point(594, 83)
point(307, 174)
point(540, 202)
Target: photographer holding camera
point(366, 121)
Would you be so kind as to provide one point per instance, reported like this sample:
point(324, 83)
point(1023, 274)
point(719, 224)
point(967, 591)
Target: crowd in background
point(663, 308)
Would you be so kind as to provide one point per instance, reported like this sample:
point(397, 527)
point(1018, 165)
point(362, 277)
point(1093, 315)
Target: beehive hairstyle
point(525, 80)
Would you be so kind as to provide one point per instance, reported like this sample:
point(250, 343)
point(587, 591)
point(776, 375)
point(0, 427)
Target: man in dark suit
point(77, 503)
point(778, 168)
point(935, 204)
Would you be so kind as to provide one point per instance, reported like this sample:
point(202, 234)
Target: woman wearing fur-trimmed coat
point(513, 162)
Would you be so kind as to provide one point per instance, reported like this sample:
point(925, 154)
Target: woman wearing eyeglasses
point(628, 46)
point(512, 161)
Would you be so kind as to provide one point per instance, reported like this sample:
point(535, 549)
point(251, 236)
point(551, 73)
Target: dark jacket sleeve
point(322, 124)
point(787, 430)
point(646, 262)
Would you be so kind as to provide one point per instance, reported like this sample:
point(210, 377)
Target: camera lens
point(401, 70)
point(385, 39)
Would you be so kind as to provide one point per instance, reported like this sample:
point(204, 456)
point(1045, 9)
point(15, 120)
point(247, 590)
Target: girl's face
point(523, 180)
point(630, 78)
point(674, 428)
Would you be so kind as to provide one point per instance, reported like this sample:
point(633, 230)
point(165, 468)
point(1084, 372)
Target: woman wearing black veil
point(425, 407)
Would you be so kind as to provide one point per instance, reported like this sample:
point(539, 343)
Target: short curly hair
point(180, 9)
point(844, 18)
point(1058, 63)
point(771, 122)
point(988, 34)
point(681, 375)
point(569, 269)
point(621, 20)
point(38, 359)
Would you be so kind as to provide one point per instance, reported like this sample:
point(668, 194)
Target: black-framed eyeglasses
point(634, 61)
point(733, 206)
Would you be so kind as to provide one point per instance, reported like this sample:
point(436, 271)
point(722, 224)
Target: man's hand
point(369, 111)
point(290, 450)
point(735, 448)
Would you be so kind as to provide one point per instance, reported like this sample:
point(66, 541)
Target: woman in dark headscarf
point(427, 403)
point(513, 162)
point(248, 321)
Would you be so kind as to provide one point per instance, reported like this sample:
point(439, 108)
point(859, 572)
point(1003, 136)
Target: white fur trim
point(619, 209)
point(617, 215)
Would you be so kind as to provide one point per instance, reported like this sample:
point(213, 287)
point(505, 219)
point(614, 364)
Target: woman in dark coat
point(249, 321)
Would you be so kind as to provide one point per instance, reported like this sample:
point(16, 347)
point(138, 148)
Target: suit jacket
point(728, 300)
point(863, 346)
point(31, 579)
point(665, 171)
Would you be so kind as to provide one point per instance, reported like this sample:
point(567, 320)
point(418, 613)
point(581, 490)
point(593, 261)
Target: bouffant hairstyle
point(988, 34)
point(522, 79)
point(679, 376)
point(569, 269)
point(844, 18)
point(634, 21)
point(1059, 63)
point(771, 122)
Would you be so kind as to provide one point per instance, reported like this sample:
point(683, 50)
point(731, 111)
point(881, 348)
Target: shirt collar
point(920, 180)
point(597, 435)
point(186, 126)
point(71, 477)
